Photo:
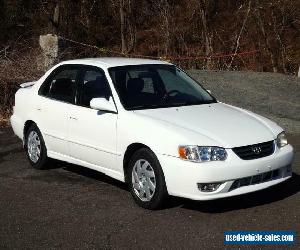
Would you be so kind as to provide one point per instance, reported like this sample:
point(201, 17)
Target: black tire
point(43, 160)
point(160, 194)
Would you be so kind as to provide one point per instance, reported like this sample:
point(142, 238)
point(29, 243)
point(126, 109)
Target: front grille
point(255, 179)
point(255, 151)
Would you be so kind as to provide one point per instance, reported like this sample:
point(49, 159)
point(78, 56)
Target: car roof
point(107, 62)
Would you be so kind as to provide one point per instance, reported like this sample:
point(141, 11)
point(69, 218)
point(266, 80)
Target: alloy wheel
point(143, 180)
point(34, 146)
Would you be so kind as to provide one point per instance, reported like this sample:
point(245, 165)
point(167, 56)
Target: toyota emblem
point(256, 150)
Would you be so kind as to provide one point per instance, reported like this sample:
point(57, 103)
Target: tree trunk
point(123, 26)
point(164, 10)
point(55, 19)
point(237, 43)
point(267, 42)
point(207, 36)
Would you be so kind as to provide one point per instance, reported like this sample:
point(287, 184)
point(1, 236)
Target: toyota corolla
point(147, 123)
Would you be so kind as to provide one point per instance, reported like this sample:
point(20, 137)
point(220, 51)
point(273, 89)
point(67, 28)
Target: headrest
point(63, 86)
point(101, 80)
point(97, 87)
point(135, 85)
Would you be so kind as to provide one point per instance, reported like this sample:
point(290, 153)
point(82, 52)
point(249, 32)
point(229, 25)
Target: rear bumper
point(182, 177)
point(17, 126)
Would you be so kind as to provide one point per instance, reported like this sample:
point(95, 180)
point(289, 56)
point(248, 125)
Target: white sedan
point(147, 123)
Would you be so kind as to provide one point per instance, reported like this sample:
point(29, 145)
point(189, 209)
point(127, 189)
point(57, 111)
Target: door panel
point(53, 119)
point(92, 137)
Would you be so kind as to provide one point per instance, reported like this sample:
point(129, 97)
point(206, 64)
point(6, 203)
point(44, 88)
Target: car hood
point(226, 125)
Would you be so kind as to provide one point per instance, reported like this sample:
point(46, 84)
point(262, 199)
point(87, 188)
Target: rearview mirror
point(103, 104)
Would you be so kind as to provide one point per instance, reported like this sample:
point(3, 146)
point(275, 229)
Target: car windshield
point(157, 86)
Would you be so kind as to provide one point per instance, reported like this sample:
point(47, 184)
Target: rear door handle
point(73, 118)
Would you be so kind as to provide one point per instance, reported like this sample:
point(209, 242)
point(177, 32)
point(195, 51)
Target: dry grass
point(18, 64)
point(4, 122)
point(5, 113)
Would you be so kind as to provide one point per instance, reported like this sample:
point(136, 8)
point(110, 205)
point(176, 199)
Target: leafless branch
point(237, 43)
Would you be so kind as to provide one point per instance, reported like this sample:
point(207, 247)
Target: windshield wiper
point(168, 105)
point(144, 106)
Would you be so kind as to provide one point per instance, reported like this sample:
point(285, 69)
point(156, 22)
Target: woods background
point(166, 28)
point(202, 34)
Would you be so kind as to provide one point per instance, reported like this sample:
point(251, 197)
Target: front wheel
point(146, 179)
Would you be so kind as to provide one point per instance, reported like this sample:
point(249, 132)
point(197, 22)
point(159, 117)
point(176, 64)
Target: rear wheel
point(146, 179)
point(35, 148)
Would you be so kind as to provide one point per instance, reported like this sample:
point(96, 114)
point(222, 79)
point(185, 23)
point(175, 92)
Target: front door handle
point(73, 118)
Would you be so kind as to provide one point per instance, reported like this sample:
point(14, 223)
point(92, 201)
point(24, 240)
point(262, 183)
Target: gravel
point(272, 95)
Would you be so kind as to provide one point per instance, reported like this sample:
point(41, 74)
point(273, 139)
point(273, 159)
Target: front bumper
point(182, 177)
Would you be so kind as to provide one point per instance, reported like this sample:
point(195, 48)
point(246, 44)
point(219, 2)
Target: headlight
point(202, 154)
point(281, 140)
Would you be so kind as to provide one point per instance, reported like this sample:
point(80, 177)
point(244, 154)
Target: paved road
point(71, 207)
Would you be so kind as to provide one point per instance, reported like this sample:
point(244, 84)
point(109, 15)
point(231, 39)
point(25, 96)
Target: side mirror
point(103, 104)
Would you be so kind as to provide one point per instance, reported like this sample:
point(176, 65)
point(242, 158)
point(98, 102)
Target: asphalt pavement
point(71, 207)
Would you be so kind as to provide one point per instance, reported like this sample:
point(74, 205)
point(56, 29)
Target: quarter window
point(61, 86)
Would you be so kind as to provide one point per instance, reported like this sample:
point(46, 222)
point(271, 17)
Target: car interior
point(146, 88)
point(93, 89)
point(137, 87)
point(62, 89)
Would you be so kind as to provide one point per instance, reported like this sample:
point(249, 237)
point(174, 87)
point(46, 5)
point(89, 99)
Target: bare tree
point(237, 43)
point(123, 25)
point(127, 26)
point(54, 19)
point(261, 23)
point(207, 33)
point(164, 13)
